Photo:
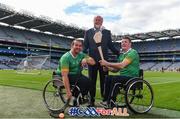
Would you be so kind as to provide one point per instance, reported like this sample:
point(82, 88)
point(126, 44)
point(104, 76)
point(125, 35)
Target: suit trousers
point(93, 70)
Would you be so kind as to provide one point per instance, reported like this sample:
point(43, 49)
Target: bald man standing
point(91, 47)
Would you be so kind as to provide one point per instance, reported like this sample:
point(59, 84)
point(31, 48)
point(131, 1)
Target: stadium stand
point(158, 54)
point(17, 43)
point(147, 65)
point(157, 45)
point(174, 66)
point(25, 36)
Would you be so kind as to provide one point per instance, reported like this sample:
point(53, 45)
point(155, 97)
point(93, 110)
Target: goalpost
point(34, 64)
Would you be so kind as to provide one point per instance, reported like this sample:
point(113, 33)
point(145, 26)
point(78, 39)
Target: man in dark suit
point(90, 47)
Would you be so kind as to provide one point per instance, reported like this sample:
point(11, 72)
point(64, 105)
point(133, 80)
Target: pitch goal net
point(34, 64)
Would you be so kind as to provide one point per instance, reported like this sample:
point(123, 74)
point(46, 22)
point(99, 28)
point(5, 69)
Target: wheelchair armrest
point(56, 75)
point(58, 83)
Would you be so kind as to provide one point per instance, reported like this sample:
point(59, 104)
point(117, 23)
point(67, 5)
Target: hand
point(69, 94)
point(105, 69)
point(83, 63)
point(103, 62)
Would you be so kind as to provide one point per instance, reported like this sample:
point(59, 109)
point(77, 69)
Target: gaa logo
point(91, 111)
point(80, 111)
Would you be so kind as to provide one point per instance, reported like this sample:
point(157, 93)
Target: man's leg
point(93, 78)
point(84, 84)
point(107, 85)
point(102, 75)
point(73, 80)
point(116, 79)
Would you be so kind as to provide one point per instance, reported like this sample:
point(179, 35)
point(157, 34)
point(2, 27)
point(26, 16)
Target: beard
point(77, 51)
point(97, 26)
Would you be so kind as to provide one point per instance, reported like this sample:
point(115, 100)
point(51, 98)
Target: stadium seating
point(2, 34)
point(157, 45)
point(158, 54)
point(147, 65)
point(175, 66)
point(161, 65)
point(25, 36)
point(14, 34)
point(153, 54)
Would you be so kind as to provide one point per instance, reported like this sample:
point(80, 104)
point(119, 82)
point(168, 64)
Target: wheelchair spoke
point(53, 95)
point(142, 98)
point(120, 99)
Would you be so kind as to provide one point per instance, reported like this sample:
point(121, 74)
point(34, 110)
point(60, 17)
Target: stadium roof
point(44, 24)
point(29, 21)
point(151, 35)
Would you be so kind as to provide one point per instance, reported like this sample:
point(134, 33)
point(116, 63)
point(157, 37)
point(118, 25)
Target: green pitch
point(165, 85)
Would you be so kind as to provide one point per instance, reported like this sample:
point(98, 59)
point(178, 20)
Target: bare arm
point(112, 69)
point(66, 83)
point(118, 65)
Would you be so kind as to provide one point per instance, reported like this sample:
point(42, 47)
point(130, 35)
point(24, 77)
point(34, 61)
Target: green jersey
point(70, 63)
point(132, 69)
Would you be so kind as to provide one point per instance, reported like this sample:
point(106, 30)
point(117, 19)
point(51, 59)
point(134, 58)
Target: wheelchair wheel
point(120, 98)
point(83, 101)
point(54, 95)
point(139, 96)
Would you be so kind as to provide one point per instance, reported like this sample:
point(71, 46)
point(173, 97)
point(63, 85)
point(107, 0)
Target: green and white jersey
point(70, 63)
point(132, 69)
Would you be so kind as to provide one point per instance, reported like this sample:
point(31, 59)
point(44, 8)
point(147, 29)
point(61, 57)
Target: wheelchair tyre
point(139, 99)
point(54, 95)
point(84, 101)
point(120, 98)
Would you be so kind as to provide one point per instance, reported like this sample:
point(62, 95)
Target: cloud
point(120, 16)
point(145, 16)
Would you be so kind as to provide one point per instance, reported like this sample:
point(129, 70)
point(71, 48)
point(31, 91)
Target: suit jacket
point(90, 46)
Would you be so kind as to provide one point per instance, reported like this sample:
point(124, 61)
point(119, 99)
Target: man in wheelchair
point(128, 67)
point(70, 67)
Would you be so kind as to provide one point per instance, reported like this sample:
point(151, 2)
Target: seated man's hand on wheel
point(69, 94)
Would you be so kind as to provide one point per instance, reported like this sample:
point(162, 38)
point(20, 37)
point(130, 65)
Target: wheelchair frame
point(59, 94)
point(130, 91)
point(133, 90)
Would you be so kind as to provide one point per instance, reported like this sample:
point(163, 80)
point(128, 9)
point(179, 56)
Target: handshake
point(107, 66)
point(104, 63)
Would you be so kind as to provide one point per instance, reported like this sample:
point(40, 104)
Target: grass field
point(165, 85)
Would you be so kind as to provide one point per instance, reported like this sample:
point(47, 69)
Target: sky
point(120, 16)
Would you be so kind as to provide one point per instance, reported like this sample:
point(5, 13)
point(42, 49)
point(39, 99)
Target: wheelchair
point(54, 95)
point(136, 94)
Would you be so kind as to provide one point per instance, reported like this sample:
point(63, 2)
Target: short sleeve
point(131, 55)
point(64, 64)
